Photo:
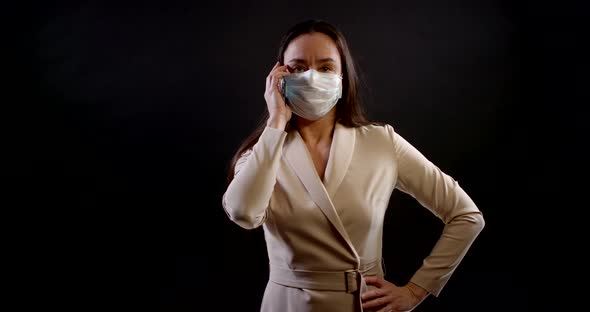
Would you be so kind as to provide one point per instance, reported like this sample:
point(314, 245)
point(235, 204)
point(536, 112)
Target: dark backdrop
point(145, 103)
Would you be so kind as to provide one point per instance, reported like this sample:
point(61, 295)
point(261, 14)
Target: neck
point(317, 131)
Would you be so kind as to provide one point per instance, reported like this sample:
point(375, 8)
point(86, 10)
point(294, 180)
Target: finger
point(276, 65)
point(274, 69)
point(278, 69)
point(371, 294)
point(278, 76)
point(269, 76)
point(375, 281)
point(276, 79)
point(376, 303)
point(273, 72)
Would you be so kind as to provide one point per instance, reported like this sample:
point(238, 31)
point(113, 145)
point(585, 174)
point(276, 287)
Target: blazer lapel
point(340, 157)
point(298, 156)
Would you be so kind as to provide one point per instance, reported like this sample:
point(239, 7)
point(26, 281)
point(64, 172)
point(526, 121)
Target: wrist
point(418, 292)
point(276, 122)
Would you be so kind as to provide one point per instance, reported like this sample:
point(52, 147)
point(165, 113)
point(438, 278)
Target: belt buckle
point(351, 280)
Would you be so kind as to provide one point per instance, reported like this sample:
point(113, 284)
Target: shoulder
point(375, 137)
point(376, 130)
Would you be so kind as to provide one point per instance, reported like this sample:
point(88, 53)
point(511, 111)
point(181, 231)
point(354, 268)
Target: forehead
point(312, 46)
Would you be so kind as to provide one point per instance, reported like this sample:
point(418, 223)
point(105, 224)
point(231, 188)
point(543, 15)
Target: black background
point(144, 103)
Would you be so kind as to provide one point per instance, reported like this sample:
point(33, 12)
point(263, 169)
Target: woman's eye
point(326, 68)
point(299, 68)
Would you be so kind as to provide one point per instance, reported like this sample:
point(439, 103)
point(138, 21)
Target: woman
point(318, 177)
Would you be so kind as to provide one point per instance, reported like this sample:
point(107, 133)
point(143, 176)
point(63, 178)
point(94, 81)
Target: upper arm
point(242, 161)
point(427, 183)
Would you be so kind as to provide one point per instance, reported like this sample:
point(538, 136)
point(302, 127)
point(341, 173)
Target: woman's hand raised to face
point(279, 112)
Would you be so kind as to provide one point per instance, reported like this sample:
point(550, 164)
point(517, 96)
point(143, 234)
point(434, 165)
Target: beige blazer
point(323, 237)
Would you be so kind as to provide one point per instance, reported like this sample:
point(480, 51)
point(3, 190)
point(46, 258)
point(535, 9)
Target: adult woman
point(318, 176)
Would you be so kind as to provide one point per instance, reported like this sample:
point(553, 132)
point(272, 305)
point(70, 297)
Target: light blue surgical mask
point(312, 94)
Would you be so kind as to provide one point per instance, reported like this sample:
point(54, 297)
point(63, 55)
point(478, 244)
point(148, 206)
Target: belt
point(347, 280)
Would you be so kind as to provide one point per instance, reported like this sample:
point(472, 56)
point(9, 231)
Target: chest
point(320, 155)
point(360, 200)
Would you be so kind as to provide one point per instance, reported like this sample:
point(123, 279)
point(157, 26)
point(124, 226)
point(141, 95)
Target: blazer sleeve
point(248, 195)
point(442, 195)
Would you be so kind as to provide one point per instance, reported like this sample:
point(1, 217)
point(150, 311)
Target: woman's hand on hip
point(279, 112)
point(388, 297)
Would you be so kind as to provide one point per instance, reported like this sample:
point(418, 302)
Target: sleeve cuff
point(431, 284)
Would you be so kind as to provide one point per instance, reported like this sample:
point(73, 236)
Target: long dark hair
point(349, 110)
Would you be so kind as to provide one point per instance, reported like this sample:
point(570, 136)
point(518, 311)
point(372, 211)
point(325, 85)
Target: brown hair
point(349, 110)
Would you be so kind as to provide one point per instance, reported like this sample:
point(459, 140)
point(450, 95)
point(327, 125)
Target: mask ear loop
point(341, 85)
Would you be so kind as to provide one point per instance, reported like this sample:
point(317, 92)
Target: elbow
point(473, 222)
point(245, 220)
point(476, 221)
point(479, 221)
point(242, 215)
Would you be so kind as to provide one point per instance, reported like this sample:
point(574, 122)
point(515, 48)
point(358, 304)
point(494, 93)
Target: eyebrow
point(297, 60)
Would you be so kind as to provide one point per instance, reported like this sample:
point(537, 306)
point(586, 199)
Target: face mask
point(312, 94)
